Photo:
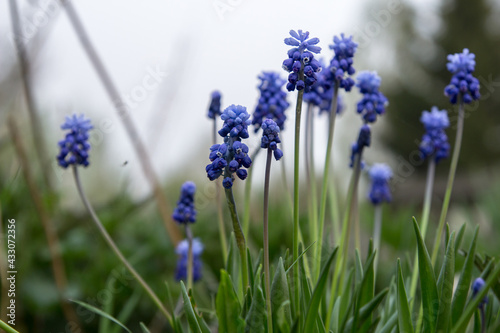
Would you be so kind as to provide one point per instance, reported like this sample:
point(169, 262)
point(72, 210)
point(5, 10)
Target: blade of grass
point(101, 313)
point(404, 316)
point(445, 285)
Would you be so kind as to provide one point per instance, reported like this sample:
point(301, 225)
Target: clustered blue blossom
point(236, 120)
point(321, 94)
point(301, 57)
point(479, 284)
point(185, 212)
point(364, 140)
point(373, 102)
point(75, 146)
point(272, 101)
point(341, 67)
point(231, 157)
point(270, 138)
point(380, 174)
point(434, 141)
point(182, 251)
point(214, 107)
point(463, 83)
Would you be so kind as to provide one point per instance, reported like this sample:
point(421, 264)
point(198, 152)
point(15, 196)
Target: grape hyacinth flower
point(184, 212)
point(75, 146)
point(272, 101)
point(214, 107)
point(463, 84)
point(434, 141)
point(476, 288)
point(231, 156)
point(301, 60)
point(364, 140)
point(341, 68)
point(373, 102)
point(380, 175)
point(270, 138)
point(182, 251)
point(321, 95)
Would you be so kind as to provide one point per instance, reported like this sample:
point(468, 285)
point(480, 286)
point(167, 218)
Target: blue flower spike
point(380, 192)
point(463, 83)
point(364, 140)
point(215, 104)
point(182, 251)
point(300, 57)
point(270, 138)
point(341, 68)
point(185, 212)
point(373, 102)
point(272, 101)
point(434, 141)
point(477, 285)
point(236, 120)
point(75, 146)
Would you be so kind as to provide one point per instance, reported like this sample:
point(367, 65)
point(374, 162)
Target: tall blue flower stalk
point(185, 214)
point(270, 140)
point(74, 151)
point(479, 284)
point(214, 112)
point(463, 89)
point(302, 68)
point(230, 160)
point(338, 75)
point(434, 147)
point(185, 249)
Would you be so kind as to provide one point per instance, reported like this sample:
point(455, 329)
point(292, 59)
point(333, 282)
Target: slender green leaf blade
point(279, 295)
point(227, 306)
point(100, 313)
point(189, 311)
point(448, 274)
point(404, 316)
point(144, 328)
point(256, 319)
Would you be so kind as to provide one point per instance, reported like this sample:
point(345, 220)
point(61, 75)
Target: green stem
point(298, 112)
point(311, 172)
point(377, 231)
point(248, 194)
point(240, 237)
point(429, 184)
point(267, 271)
point(451, 179)
point(220, 215)
point(117, 251)
point(7, 328)
point(341, 263)
point(324, 191)
point(189, 236)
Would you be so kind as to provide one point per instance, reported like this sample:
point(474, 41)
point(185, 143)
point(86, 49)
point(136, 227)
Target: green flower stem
point(451, 179)
point(341, 263)
point(220, 215)
point(377, 231)
point(267, 271)
point(240, 237)
point(117, 251)
point(334, 212)
point(311, 172)
point(189, 236)
point(7, 328)
point(298, 112)
point(429, 184)
point(248, 194)
point(324, 191)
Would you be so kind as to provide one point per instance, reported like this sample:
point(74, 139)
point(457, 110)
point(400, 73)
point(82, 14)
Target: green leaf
point(404, 317)
point(390, 324)
point(128, 308)
point(459, 239)
point(227, 306)
point(233, 264)
point(462, 289)
point(445, 285)
point(364, 291)
point(189, 311)
point(144, 328)
point(461, 324)
point(299, 257)
point(280, 298)
point(256, 319)
point(430, 298)
point(365, 312)
point(312, 310)
point(282, 322)
point(100, 313)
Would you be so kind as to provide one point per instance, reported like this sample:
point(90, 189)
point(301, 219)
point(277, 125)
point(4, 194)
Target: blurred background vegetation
point(413, 81)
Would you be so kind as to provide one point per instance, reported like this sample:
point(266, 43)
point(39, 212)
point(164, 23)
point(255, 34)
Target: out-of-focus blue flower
point(434, 141)
point(341, 68)
point(236, 120)
point(479, 284)
point(463, 83)
point(75, 146)
point(321, 94)
point(373, 102)
point(182, 251)
point(301, 57)
point(364, 140)
point(184, 212)
point(380, 175)
point(214, 108)
point(272, 101)
point(270, 138)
